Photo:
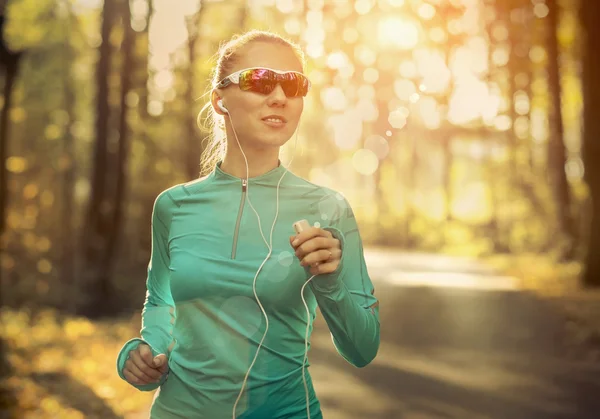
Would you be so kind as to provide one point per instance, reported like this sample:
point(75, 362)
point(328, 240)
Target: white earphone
point(298, 227)
point(221, 106)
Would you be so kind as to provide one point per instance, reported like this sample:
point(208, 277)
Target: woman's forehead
point(269, 55)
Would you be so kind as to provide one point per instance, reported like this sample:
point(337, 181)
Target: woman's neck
point(259, 162)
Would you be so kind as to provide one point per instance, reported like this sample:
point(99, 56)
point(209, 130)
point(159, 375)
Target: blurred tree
point(557, 158)
point(141, 83)
point(69, 158)
point(8, 401)
point(499, 241)
point(590, 16)
point(144, 139)
point(507, 11)
point(100, 230)
point(9, 64)
point(454, 40)
point(193, 150)
point(513, 37)
point(122, 158)
point(514, 15)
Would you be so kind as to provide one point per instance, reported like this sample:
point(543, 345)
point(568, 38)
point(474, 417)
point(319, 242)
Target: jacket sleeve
point(158, 313)
point(346, 296)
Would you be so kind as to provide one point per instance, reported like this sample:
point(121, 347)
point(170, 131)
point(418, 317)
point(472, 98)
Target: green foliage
point(42, 20)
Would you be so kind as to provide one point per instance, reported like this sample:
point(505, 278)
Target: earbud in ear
point(221, 106)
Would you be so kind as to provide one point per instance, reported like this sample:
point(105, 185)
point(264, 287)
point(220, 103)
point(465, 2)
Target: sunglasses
point(264, 80)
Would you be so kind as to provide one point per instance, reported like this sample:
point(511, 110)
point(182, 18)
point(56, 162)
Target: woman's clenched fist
point(141, 368)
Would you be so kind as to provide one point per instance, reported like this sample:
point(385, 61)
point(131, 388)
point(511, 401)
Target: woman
point(227, 315)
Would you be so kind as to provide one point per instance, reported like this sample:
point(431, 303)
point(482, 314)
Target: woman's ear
point(217, 103)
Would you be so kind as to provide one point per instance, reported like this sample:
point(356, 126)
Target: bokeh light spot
point(397, 118)
point(365, 162)
point(285, 258)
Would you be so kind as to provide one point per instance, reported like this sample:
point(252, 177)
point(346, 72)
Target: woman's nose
point(277, 97)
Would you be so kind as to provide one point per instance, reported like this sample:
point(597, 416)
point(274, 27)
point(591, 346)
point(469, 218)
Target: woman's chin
point(275, 140)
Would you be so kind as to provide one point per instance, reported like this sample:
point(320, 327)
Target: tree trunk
point(557, 157)
point(192, 151)
point(590, 16)
point(495, 222)
point(142, 83)
point(150, 148)
point(512, 174)
point(97, 292)
point(8, 400)
point(512, 67)
point(9, 62)
point(11, 69)
point(67, 223)
point(123, 150)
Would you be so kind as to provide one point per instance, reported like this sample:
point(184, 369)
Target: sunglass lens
point(294, 85)
point(263, 81)
point(257, 80)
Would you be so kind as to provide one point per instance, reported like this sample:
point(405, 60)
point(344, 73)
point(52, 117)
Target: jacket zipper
point(239, 219)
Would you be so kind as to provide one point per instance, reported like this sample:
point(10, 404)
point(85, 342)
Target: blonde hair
point(216, 144)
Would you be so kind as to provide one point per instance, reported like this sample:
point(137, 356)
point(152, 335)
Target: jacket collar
point(269, 178)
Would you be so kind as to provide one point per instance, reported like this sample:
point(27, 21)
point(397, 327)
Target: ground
point(459, 341)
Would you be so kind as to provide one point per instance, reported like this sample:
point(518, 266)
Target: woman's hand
point(318, 249)
point(141, 368)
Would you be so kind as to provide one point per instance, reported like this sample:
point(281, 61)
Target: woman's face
point(249, 112)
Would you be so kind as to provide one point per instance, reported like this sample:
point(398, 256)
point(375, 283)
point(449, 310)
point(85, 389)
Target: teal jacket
point(200, 308)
